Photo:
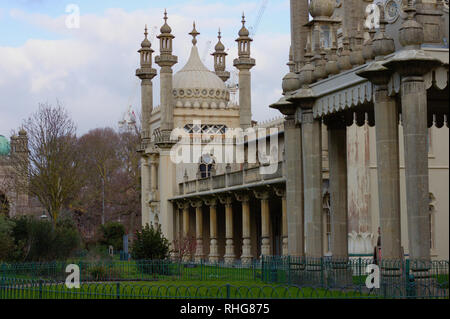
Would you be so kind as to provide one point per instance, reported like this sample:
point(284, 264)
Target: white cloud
point(91, 70)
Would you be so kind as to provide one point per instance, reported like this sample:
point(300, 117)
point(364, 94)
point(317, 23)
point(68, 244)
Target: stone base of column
point(246, 257)
point(285, 250)
point(199, 255)
point(229, 257)
point(265, 247)
point(214, 251)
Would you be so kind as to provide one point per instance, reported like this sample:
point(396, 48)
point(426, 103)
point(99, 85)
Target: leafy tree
point(150, 244)
point(113, 233)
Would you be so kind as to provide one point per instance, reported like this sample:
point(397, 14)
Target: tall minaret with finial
point(166, 60)
point(167, 170)
point(244, 63)
point(220, 60)
point(146, 73)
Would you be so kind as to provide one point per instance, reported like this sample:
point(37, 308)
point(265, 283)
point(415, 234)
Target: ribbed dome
point(5, 147)
point(220, 47)
point(166, 28)
point(196, 86)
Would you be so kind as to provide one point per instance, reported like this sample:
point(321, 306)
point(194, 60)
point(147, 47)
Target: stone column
point(145, 178)
point(229, 257)
point(388, 171)
point(199, 252)
point(185, 232)
point(312, 163)
point(213, 247)
point(186, 220)
point(284, 224)
point(337, 152)
point(247, 256)
point(266, 247)
point(294, 187)
point(412, 63)
point(299, 18)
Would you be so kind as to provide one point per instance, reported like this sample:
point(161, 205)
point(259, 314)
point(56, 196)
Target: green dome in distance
point(5, 147)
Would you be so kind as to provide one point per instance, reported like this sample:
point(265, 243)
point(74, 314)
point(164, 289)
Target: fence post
point(228, 291)
point(118, 290)
point(2, 283)
point(40, 288)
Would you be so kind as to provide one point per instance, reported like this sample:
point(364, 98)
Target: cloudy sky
point(90, 69)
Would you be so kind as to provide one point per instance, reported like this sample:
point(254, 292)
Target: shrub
point(112, 234)
point(7, 245)
point(40, 240)
point(149, 243)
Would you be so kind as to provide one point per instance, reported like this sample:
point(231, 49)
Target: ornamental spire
point(194, 34)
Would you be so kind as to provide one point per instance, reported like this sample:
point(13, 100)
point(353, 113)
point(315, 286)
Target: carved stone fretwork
point(343, 99)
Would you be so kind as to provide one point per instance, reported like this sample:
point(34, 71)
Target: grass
point(174, 290)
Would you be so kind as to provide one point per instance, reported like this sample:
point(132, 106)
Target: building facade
point(14, 200)
point(362, 144)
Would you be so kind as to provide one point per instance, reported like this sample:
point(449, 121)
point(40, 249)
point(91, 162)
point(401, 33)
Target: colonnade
point(222, 240)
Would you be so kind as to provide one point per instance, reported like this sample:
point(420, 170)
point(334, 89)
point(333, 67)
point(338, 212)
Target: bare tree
point(49, 168)
point(99, 158)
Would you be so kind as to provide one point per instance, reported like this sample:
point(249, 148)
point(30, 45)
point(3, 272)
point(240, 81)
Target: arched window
point(4, 205)
point(207, 166)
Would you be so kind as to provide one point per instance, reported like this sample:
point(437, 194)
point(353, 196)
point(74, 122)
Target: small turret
point(220, 60)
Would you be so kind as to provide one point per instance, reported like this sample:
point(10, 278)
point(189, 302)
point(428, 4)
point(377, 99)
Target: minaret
point(220, 60)
point(167, 169)
point(146, 73)
point(166, 61)
point(244, 63)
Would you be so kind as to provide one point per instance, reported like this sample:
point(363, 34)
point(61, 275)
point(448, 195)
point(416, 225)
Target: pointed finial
point(146, 31)
point(243, 19)
point(165, 15)
point(220, 35)
point(194, 34)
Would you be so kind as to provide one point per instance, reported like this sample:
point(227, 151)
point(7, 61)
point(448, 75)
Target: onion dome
point(196, 86)
point(244, 31)
point(219, 46)
point(165, 28)
point(146, 43)
point(5, 147)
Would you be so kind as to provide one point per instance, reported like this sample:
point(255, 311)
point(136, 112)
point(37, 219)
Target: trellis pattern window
point(205, 128)
point(207, 165)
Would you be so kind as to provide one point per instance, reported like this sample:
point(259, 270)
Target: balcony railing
point(246, 176)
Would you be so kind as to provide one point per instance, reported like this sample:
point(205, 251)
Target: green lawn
point(172, 290)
